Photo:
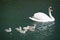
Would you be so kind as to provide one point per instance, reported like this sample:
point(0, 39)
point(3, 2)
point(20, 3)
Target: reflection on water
point(43, 31)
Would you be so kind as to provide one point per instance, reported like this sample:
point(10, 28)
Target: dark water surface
point(15, 13)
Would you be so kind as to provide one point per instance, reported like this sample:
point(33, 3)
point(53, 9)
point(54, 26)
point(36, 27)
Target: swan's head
point(50, 9)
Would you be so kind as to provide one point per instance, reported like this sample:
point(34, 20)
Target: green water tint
point(43, 31)
point(16, 13)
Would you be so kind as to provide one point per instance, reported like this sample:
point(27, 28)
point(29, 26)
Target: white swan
point(8, 30)
point(32, 28)
point(25, 29)
point(22, 31)
point(42, 17)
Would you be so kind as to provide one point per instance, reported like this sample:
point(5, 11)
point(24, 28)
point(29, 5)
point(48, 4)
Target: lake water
point(16, 13)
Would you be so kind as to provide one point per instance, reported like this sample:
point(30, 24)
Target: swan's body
point(22, 31)
point(25, 29)
point(8, 30)
point(32, 28)
point(42, 17)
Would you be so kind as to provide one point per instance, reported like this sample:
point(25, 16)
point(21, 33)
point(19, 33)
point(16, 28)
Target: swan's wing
point(42, 16)
point(34, 19)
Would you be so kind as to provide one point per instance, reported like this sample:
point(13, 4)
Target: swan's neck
point(52, 18)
